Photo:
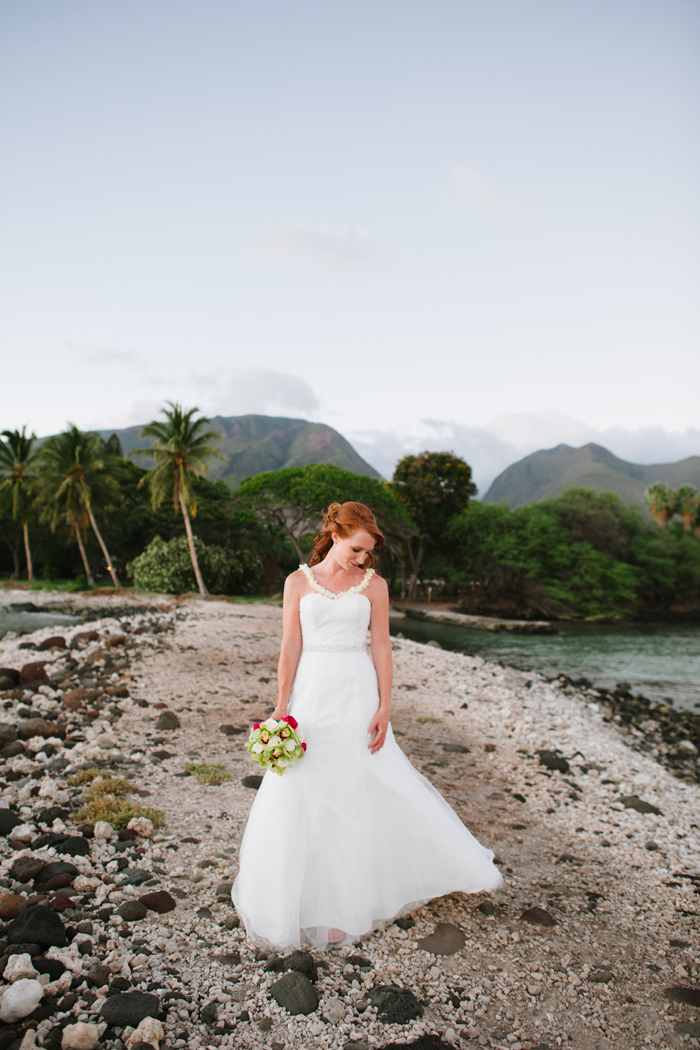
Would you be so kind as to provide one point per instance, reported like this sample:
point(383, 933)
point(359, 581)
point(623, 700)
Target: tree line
point(75, 500)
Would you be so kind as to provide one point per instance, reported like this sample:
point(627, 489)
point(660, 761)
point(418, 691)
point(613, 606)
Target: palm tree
point(180, 450)
point(74, 477)
point(662, 502)
point(16, 463)
point(688, 506)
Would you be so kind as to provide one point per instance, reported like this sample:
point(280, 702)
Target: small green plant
point(208, 772)
point(117, 812)
point(429, 718)
point(108, 786)
point(104, 800)
point(83, 776)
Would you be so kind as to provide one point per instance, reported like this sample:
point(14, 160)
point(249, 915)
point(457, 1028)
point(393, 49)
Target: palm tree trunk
point(27, 551)
point(83, 555)
point(193, 553)
point(112, 570)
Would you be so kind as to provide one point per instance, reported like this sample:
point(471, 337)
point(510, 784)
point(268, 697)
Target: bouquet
point(276, 743)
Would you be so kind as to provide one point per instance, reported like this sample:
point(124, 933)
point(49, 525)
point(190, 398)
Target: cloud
point(509, 437)
point(255, 390)
point(478, 190)
point(96, 355)
point(328, 247)
point(137, 414)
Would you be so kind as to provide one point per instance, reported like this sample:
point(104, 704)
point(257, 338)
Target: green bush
point(166, 568)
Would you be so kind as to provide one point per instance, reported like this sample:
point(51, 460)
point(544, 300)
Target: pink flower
point(291, 720)
point(303, 746)
point(256, 726)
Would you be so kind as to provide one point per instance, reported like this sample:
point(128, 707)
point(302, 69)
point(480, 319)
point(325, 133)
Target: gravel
point(567, 841)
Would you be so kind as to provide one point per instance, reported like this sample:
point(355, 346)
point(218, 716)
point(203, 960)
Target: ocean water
point(25, 622)
point(661, 661)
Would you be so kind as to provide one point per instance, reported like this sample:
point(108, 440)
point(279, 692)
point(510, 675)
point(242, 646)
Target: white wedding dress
point(346, 840)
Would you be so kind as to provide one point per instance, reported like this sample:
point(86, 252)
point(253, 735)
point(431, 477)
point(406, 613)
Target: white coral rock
point(19, 966)
point(149, 1031)
point(104, 830)
point(80, 1036)
point(20, 999)
point(142, 826)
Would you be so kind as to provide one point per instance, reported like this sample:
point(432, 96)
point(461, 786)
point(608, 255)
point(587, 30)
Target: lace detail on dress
point(320, 589)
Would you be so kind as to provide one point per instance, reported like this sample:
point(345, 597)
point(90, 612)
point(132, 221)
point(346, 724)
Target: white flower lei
point(320, 589)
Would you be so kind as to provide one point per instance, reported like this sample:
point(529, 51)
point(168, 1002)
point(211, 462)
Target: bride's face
point(352, 550)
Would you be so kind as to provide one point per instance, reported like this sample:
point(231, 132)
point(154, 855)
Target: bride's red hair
point(343, 519)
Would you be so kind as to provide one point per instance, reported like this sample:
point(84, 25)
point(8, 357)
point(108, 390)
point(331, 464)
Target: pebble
point(149, 1031)
point(129, 1008)
point(19, 967)
point(618, 902)
point(295, 993)
point(80, 1036)
point(20, 999)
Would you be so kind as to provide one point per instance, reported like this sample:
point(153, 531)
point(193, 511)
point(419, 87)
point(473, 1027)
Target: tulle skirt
point(346, 840)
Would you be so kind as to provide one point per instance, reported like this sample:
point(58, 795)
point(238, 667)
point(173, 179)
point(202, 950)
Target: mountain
point(253, 444)
point(548, 473)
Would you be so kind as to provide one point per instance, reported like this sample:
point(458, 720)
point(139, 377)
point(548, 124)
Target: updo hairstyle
point(343, 519)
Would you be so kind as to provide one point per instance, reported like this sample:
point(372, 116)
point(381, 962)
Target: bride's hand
point(279, 713)
point(377, 731)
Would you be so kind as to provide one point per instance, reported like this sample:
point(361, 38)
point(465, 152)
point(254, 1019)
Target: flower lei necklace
point(320, 589)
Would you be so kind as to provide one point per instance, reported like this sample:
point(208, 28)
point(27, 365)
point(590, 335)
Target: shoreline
point(620, 885)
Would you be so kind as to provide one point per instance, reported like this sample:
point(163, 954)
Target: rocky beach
point(120, 932)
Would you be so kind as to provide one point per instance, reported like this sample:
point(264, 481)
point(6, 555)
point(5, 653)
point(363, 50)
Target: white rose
point(271, 724)
point(274, 741)
point(289, 745)
point(282, 763)
point(257, 748)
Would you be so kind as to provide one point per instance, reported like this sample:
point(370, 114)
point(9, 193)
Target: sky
point(445, 224)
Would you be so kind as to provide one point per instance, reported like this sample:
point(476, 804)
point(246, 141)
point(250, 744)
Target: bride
point(352, 835)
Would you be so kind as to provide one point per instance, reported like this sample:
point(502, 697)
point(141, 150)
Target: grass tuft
point(429, 718)
point(104, 800)
point(117, 812)
point(83, 776)
point(208, 772)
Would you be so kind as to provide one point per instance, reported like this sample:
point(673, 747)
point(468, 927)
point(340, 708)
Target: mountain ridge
point(549, 472)
point(252, 444)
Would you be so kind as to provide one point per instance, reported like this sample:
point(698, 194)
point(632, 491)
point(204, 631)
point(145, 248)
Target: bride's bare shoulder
point(295, 582)
point(378, 585)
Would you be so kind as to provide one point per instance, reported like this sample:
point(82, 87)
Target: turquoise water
point(661, 661)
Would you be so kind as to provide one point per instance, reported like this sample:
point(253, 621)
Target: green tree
point(688, 505)
point(17, 461)
point(74, 477)
point(433, 487)
point(180, 447)
point(294, 498)
point(662, 502)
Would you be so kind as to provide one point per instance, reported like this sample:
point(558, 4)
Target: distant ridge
point(547, 474)
point(253, 444)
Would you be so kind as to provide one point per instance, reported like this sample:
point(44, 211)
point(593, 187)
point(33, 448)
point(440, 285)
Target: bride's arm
point(381, 657)
point(290, 650)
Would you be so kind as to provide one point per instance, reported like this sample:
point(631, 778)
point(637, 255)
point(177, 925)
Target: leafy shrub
point(166, 568)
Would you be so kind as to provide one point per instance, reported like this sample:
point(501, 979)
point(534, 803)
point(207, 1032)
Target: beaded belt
point(334, 649)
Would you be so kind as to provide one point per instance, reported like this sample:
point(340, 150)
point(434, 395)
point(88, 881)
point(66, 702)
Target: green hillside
point(252, 444)
point(548, 473)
